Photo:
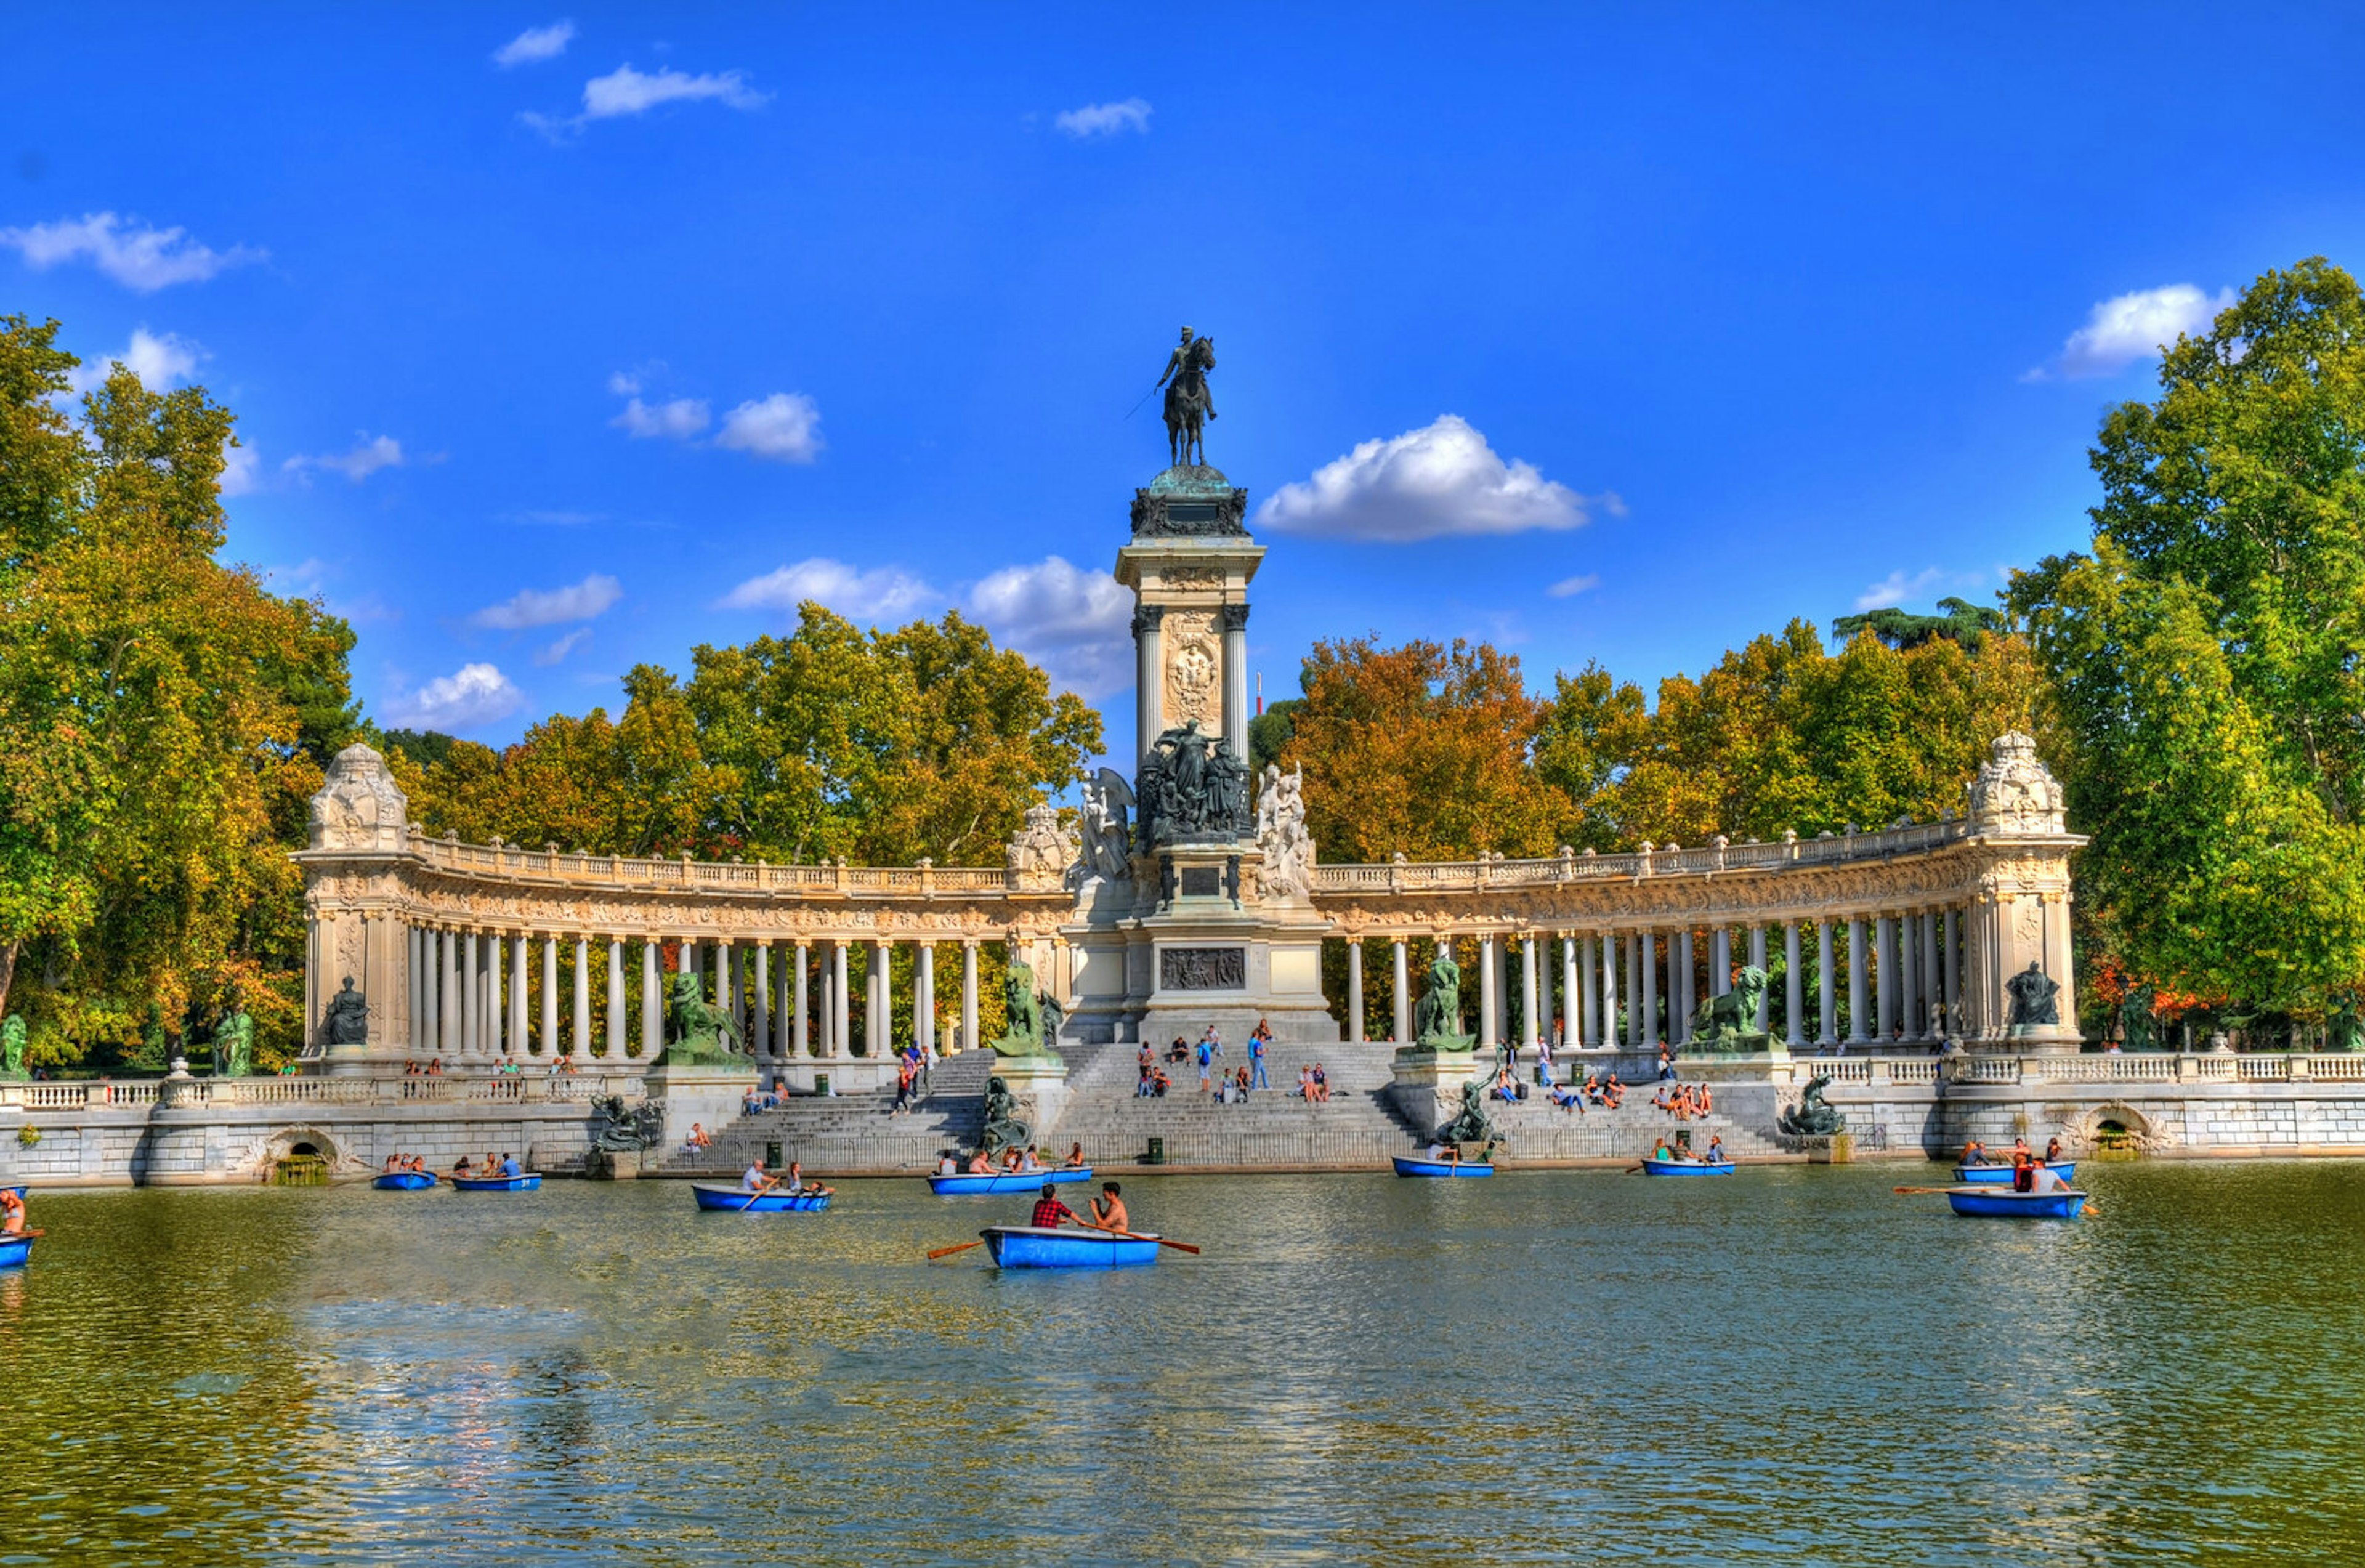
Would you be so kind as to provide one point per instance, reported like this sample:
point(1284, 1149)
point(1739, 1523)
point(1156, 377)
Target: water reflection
point(1792, 1364)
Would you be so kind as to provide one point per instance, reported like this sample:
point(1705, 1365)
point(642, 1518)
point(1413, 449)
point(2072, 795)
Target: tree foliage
point(163, 720)
point(882, 747)
point(2207, 699)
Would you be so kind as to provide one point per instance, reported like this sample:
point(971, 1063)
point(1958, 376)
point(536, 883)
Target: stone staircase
point(1358, 1128)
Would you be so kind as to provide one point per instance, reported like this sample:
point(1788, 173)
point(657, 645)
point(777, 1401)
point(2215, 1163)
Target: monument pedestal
point(1428, 1089)
point(1039, 1085)
point(711, 1096)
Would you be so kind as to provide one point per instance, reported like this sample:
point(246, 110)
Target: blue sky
point(567, 339)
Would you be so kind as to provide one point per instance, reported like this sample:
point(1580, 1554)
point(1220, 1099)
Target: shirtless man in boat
point(979, 1165)
point(1108, 1209)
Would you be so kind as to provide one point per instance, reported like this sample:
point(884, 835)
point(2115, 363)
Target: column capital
point(1147, 617)
point(1235, 617)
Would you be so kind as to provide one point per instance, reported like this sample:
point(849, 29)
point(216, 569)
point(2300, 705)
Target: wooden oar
point(13, 1234)
point(769, 1184)
point(1921, 1188)
point(948, 1251)
point(1136, 1236)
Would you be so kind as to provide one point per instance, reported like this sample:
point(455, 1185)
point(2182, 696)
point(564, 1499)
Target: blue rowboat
point(779, 1200)
point(1005, 1182)
point(529, 1182)
point(1686, 1167)
point(405, 1181)
point(1989, 1203)
point(15, 1251)
point(1442, 1167)
point(2000, 1175)
point(1028, 1247)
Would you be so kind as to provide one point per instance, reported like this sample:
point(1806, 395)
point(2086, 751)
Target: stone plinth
point(713, 1096)
point(1835, 1148)
point(613, 1164)
point(1428, 1089)
point(1039, 1084)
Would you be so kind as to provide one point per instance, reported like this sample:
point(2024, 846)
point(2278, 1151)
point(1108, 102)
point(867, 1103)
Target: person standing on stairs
point(1258, 1040)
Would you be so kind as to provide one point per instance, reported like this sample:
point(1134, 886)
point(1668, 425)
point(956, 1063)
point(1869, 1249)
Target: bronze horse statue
point(1188, 407)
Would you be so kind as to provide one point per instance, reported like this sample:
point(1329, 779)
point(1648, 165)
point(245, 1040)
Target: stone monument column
point(619, 1043)
point(1235, 619)
point(1650, 1016)
point(1490, 1005)
point(759, 1035)
point(801, 1015)
point(1857, 1034)
point(1531, 1004)
point(841, 1022)
point(1827, 996)
point(1401, 994)
point(1150, 667)
point(519, 988)
point(651, 1001)
point(924, 998)
point(969, 995)
point(1355, 988)
point(1757, 961)
point(550, 1040)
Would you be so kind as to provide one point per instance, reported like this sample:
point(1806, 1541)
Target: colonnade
point(469, 993)
point(1881, 977)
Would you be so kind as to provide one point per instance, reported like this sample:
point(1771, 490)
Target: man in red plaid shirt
point(1049, 1211)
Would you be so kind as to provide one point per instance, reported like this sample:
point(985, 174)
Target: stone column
point(727, 995)
point(448, 971)
point(582, 1038)
point(1649, 1032)
point(1933, 994)
point(651, 1001)
point(416, 983)
point(550, 1040)
point(617, 1033)
point(1401, 995)
point(1354, 984)
point(1235, 619)
point(1908, 968)
point(841, 1022)
point(802, 1016)
point(878, 1007)
point(472, 996)
point(1883, 979)
point(496, 1011)
point(759, 1037)
point(519, 1040)
point(1950, 972)
point(1607, 946)
point(1489, 999)
point(1636, 941)
point(969, 996)
point(1827, 996)
point(1757, 961)
point(1856, 1033)
point(432, 1039)
point(1571, 997)
point(1719, 961)
point(1680, 1001)
point(1531, 1001)
point(1584, 1014)
point(1149, 689)
point(1793, 990)
point(923, 998)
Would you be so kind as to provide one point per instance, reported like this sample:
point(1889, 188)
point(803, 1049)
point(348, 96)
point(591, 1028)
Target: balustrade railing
point(875, 881)
point(1449, 876)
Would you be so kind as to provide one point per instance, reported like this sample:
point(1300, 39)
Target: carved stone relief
point(1194, 670)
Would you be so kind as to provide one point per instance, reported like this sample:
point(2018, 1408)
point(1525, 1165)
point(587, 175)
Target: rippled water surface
point(1791, 1365)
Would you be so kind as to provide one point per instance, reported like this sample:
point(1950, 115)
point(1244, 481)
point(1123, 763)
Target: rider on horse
point(1188, 401)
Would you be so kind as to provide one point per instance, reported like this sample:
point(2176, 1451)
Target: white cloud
point(1104, 119)
point(782, 428)
point(1074, 622)
point(132, 253)
point(877, 594)
point(593, 597)
point(476, 694)
point(2133, 326)
point(303, 579)
point(158, 362)
point(625, 90)
point(623, 384)
point(534, 44)
point(681, 419)
point(558, 650)
point(1441, 481)
point(1569, 587)
point(1901, 587)
point(242, 468)
point(374, 454)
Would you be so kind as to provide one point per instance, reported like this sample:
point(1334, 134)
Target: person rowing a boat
point(1049, 1211)
point(1443, 1153)
point(1975, 1153)
point(510, 1166)
point(1108, 1209)
point(462, 1170)
point(753, 1179)
point(2045, 1178)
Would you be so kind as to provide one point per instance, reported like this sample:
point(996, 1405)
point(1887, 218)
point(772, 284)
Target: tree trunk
point(8, 951)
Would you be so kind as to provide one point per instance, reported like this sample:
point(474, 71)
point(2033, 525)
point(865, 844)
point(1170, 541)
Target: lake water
point(1789, 1365)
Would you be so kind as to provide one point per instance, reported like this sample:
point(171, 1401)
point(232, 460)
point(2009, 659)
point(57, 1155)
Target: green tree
point(162, 717)
point(2206, 658)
